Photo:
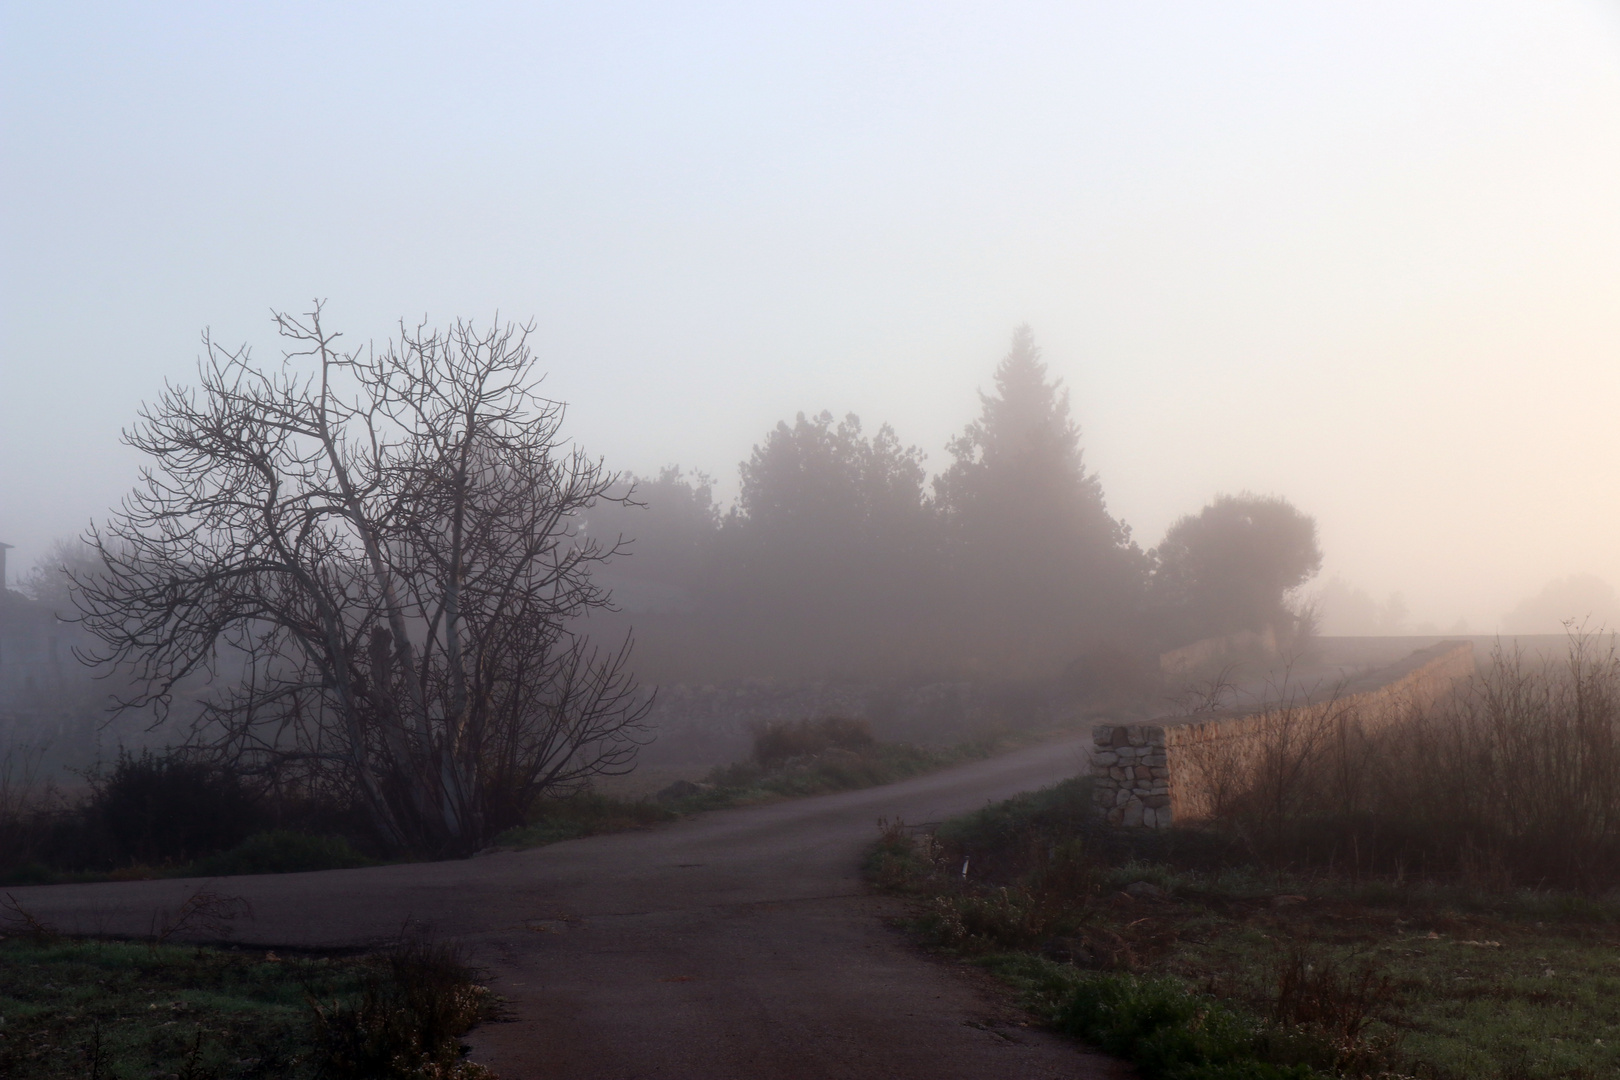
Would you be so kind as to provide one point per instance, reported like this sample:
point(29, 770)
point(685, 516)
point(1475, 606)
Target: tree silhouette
point(832, 485)
point(1232, 565)
point(1032, 538)
point(372, 554)
point(828, 554)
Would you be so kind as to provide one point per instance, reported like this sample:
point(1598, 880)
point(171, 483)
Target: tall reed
point(1512, 780)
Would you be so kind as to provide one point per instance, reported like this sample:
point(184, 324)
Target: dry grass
point(1513, 781)
point(406, 1022)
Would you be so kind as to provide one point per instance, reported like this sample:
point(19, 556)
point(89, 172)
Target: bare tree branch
point(370, 557)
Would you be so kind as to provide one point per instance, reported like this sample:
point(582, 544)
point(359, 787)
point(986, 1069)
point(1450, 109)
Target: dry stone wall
point(1175, 770)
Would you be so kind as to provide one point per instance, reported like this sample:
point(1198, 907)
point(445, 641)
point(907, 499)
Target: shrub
point(776, 744)
point(1318, 993)
point(159, 809)
point(1007, 840)
point(25, 810)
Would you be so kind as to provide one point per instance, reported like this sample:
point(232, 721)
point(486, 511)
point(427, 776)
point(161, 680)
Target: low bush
point(1170, 1033)
point(1316, 991)
point(776, 744)
point(406, 1022)
point(158, 809)
point(991, 921)
point(157, 814)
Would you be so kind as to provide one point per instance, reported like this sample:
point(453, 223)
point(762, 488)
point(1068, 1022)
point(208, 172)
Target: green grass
point(122, 1011)
point(584, 814)
point(1237, 970)
point(280, 851)
point(1492, 996)
point(116, 1009)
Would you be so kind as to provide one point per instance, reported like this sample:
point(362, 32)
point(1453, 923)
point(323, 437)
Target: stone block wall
point(1173, 770)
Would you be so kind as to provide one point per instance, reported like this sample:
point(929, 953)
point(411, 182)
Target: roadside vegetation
point(406, 678)
point(1397, 940)
point(166, 815)
point(789, 759)
point(1514, 781)
point(169, 815)
point(118, 1010)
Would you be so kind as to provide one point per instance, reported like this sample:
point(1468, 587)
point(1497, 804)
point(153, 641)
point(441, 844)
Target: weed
point(1169, 1032)
point(20, 920)
point(407, 1021)
point(209, 912)
point(1315, 990)
point(901, 855)
point(1513, 781)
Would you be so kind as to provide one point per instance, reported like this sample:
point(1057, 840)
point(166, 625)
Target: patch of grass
point(743, 783)
point(118, 1009)
point(121, 1010)
point(1235, 970)
point(834, 769)
point(280, 851)
point(1172, 1033)
point(1496, 996)
point(585, 813)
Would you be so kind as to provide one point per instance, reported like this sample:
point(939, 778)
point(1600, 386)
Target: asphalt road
point(735, 945)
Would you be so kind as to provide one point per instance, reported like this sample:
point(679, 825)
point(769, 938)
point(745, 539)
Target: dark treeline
point(841, 558)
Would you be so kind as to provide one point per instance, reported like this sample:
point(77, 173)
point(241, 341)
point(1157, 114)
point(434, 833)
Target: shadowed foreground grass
point(276, 851)
point(1233, 971)
point(104, 1010)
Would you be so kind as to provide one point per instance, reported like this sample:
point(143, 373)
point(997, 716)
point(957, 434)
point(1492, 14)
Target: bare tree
point(372, 552)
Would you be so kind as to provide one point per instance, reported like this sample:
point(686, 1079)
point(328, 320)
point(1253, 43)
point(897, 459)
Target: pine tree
point(1034, 542)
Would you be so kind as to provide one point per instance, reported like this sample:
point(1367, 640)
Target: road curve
point(734, 945)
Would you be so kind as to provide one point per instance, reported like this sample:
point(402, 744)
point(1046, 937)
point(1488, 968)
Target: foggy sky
point(1365, 256)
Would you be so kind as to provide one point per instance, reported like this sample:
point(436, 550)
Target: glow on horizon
point(1363, 255)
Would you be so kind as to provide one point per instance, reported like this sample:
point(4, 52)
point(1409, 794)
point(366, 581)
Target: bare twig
point(376, 551)
point(210, 912)
point(20, 920)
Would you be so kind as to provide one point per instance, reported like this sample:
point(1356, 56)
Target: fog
point(1361, 256)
